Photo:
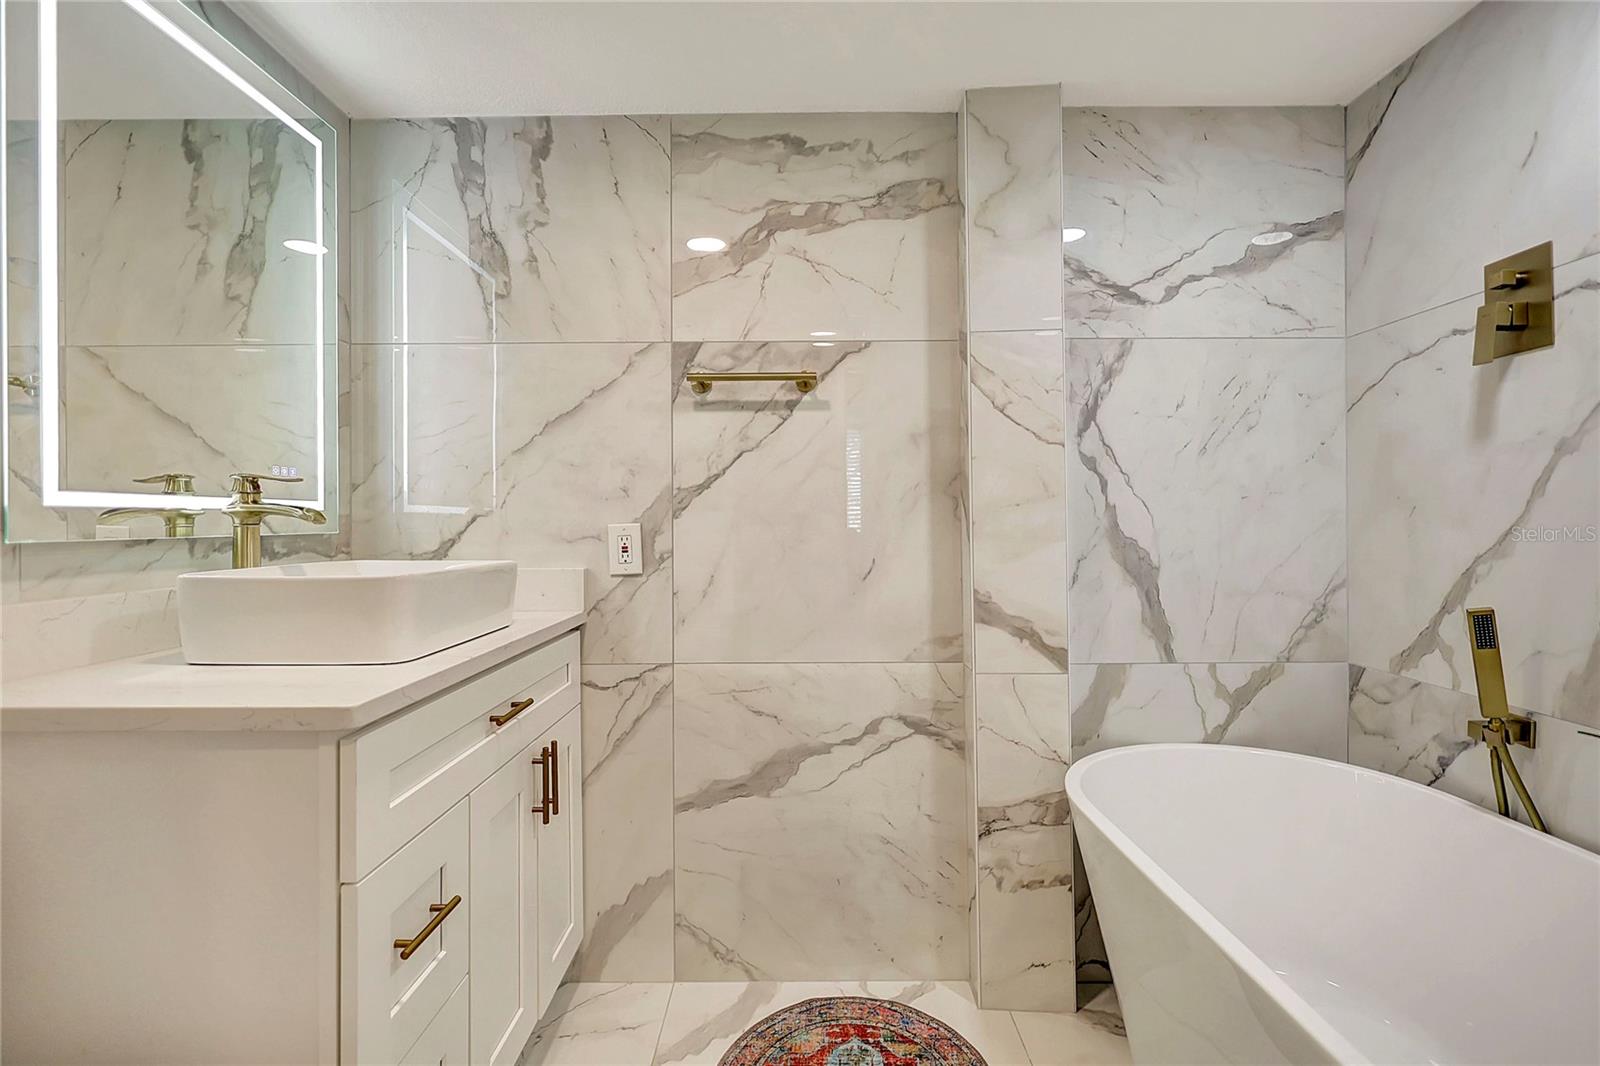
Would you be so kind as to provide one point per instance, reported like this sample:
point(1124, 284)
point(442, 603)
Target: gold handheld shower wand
point(1498, 728)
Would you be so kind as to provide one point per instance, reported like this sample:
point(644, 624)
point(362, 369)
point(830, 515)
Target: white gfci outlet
point(627, 548)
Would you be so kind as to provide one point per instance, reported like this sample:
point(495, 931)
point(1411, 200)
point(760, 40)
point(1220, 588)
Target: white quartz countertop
point(162, 692)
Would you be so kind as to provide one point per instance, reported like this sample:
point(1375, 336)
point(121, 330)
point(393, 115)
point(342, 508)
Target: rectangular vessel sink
point(340, 613)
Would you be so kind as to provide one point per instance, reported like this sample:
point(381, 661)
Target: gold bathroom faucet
point(246, 509)
point(176, 521)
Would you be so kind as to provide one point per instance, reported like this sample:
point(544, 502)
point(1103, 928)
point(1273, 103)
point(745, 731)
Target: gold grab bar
point(441, 911)
point(804, 380)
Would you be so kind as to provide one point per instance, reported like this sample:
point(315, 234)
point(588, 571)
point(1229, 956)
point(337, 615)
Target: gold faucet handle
point(240, 483)
point(175, 484)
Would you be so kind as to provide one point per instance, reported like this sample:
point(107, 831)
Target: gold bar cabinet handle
point(546, 805)
point(441, 911)
point(700, 383)
point(555, 779)
point(498, 720)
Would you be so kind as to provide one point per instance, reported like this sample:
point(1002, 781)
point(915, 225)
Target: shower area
point(1130, 425)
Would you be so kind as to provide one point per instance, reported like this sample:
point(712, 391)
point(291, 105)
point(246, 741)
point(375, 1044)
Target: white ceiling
point(396, 58)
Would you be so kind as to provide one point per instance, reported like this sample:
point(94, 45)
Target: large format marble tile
point(704, 1019)
point(172, 232)
point(627, 824)
point(1298, 707)
point(1018, 492)
point(1483, 143)
point(1206, 518)
point(599, 1024)
point(581, 440)
point(844, 223)
point(820, 822)
point(1012, 190)
point(820, 527)
point(1024, 871)
point(511, 229)
point(1418, 731)
point(1171, 199)
point(1087, 1038)
point(44, 636)
point(1480, 487)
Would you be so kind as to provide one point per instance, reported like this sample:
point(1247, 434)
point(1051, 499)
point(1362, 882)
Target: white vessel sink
point(341, 613)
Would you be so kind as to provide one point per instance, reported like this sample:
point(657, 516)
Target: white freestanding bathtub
point(1260, 907)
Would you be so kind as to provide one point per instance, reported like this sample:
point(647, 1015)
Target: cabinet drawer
point(444, 1041)
point(400, 775)
point(419, 895)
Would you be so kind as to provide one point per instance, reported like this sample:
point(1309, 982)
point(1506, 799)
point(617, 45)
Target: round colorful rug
point(851, 1031)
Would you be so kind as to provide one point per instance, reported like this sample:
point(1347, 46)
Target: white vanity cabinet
point(359, 865)
point(485, 900)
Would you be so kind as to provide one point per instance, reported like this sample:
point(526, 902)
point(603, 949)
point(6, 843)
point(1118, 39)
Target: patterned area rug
point(851, 1031)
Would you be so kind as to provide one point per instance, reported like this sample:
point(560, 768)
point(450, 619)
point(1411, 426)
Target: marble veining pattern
point(1024, 856)
point(136, 412)
point(627, 823)
point(558, 410)
point(820, 822)
point(842, 224)
point(511, 229)
point(1012, 190)
point(1418, 731)
point(1480, 486)
point(1206, 501)
point(173, 231)
point(1017, 406)
point(1171, 199)
point(820, 527)
point(1431, 198)
point(1298, 707)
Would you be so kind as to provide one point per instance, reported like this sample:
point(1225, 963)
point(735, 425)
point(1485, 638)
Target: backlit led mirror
point(169, 275)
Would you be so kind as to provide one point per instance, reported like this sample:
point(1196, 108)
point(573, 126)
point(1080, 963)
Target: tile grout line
point(661, 1030)
point(1027, 1053)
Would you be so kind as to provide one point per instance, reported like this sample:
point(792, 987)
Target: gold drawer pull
point(555, 779)
point(441, 911)
point(498, 720)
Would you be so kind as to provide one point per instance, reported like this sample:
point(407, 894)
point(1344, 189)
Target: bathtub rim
point(1318, 1028)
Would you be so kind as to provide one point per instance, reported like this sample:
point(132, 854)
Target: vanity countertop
point(162, 692)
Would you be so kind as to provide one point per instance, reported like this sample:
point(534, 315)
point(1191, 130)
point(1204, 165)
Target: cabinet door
point(504, 936)
point(560, 881)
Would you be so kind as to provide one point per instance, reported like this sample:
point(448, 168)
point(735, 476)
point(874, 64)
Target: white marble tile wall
point(1431, 196)
point(842, 224)
point(819, 821)
point(1476, 486)
point(812, 528)
point(1016, 560)
point(520, 389)
point(1206, 500)
point(1173, 201)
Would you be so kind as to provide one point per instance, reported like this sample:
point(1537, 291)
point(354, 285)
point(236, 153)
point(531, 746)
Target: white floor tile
point(599, 1025)
point(1071, 1040)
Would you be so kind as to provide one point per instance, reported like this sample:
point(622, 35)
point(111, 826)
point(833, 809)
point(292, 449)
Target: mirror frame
point(49, 383)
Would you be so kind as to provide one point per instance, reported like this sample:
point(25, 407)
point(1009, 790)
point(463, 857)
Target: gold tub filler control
point(1519, 306)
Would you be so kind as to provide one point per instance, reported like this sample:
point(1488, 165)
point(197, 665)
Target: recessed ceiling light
point(1073, 233)
point(1277, 236)
point(706, 244)
point(823, 333)
point(822, 344)
point(295, 244)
